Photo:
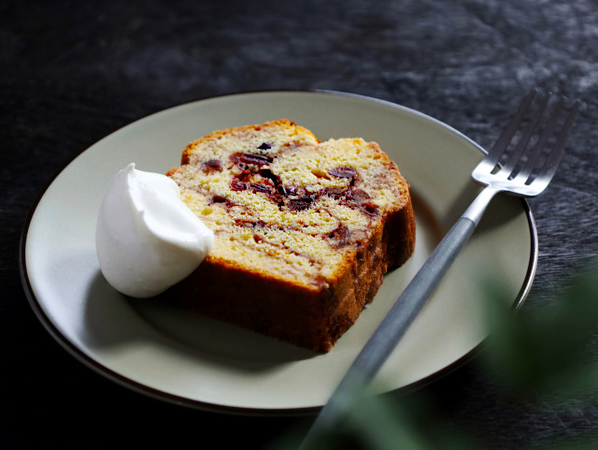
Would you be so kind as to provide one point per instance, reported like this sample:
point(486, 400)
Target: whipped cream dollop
point(146, 238)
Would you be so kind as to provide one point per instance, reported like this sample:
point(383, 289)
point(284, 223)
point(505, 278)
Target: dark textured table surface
point(73, 72)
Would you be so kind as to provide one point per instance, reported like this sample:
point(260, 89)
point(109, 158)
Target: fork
point(522, 171)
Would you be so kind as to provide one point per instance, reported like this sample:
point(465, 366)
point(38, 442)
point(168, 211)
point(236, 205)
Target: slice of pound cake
point(304, 230)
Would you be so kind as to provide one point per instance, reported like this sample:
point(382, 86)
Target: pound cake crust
point(304, 230)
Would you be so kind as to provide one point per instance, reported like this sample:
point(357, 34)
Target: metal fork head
point(526, 155)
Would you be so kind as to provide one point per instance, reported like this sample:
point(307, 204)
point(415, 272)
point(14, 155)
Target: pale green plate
point(188, 359)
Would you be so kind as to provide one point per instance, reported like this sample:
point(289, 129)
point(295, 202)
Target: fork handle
point(402, 314)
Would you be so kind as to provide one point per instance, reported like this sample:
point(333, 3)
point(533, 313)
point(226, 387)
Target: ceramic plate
point(183, 358)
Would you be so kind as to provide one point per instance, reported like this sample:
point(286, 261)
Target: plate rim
point(158, 394)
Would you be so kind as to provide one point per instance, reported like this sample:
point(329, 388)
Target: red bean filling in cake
point(270, 196)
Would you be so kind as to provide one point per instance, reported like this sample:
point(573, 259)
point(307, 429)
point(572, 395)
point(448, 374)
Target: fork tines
point(521, 153)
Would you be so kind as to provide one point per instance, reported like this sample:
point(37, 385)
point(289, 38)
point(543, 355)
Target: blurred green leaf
point(545, 353)
point(384, 422)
